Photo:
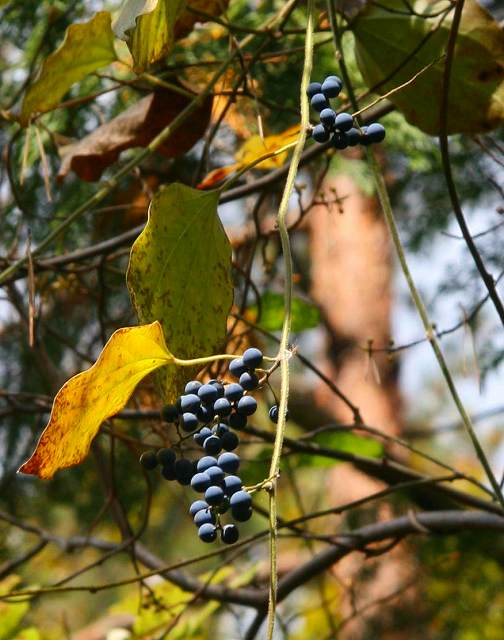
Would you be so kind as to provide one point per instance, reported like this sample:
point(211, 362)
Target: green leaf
point(180, 274)
point(341, 441)
point(304, 314)
point(387, 34)
point(11, 614)
point(85, 48)
point(149, 27)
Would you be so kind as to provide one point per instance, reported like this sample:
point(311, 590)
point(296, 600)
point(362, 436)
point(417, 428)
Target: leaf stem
point(283, 351)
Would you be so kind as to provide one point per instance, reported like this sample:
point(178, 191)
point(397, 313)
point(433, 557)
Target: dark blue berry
point(201, 481)
point(241, 514)
point(192, 386)
point(236, 367)
point(220, 429)
point(207, 532)
point(166, 456)
point(327, 118)
point(189, 403)
point(237, 420)
point(249, 381)
point(168, 472)
point(222, 407)
point(344, 121)
point(214, 495)
point(212, 445)
point(189, 422)
point(339, 140)
point(218, 386)
point(205, 413)
point(232, 484)
point(208, 393)
point(204, 516)
point(229, 441)
point(252, 358)
point(331, 87)
point(224, 505)
point(353, 137)
point(241, 500)
point(246, 405)
point(149, 460)
point(233, 391)
point(320, 133)
point(216, 475)
point(228, 462)
point(184, 471)
point(205, 463)
point(313, 88)
point(230, 534)
point(375, 132)
point(364, 138)
point(196, 506)
point(273, 414)
point(169, 413)
point(319, 102)
point(202, 435)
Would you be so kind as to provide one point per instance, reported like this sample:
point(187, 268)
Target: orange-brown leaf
point(216, 176)
point(135, 127)
point(253, 150)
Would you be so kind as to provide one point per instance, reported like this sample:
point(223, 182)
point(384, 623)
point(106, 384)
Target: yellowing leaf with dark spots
point(180, 274)
point(252, 151)
point(90, 397)
point(85, 48)
point(392, 44)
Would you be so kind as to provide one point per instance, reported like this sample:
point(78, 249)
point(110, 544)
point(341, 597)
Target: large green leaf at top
point(387, 34)
point(180, 274)
point(151, 27)
point(85, 48)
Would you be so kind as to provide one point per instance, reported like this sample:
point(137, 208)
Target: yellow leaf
point(252, 151)
point(255, 147)
point(89, 398)
point(85, 48)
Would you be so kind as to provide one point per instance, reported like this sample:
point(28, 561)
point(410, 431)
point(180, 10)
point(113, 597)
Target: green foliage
point(86, 48)
point(304, 314)
point(387, 34)
point(463, 588)
point(345, 441)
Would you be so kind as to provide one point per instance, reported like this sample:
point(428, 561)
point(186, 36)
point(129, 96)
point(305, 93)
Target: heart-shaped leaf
point(180, 274)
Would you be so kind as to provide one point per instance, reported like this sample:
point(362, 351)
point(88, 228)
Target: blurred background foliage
point(458, 593)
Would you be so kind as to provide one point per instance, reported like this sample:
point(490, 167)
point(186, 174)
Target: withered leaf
point(135, 127)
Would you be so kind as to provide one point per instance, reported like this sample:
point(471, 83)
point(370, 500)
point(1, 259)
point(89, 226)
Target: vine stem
point(429, 331)
point(283, 350)
point(417, 300)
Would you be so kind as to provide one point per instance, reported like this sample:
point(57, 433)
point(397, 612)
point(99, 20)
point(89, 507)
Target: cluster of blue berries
point(338, 125)
point(212, 411)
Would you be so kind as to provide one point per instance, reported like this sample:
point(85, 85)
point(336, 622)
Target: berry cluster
point(212, 411)
point(338, 125)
